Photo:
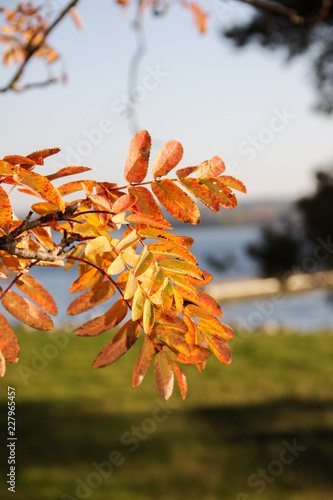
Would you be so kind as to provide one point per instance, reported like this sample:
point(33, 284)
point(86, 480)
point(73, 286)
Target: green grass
point(233, 423)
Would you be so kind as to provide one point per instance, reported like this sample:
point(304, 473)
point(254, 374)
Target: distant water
point(221, 250)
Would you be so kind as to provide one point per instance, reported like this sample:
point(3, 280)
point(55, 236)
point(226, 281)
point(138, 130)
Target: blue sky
point(247, 106)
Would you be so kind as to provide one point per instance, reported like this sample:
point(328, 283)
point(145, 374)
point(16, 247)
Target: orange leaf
point(220, 348)
point(64, 172)
point(181, 379)
point(40, 186)
point(5, 211)
point(200, 17)
point(76, 18)
point(169, 156)
point(9, 345)
point(184, 172)
point(151, 220)
point(145, 202)
point(138, 156)
point(39, 156)
point(31, 287)
point(211, 168)
point(173, 340)
point(172, 250)
point(19, 160)
point(226, 198)
point(202, 193)
point(198, 354)
point(44, 207)
point(105, 322)
point(143, 361)
point(2, 365)
point(202, 299)
point(25, 311)
point(71, 187)
point(233, 183)
point(207, 279)
point(214, 327)
point(164, 377)
point(178, 267)
point(93, 297)
point(175, 201)
point(87, 280)
point(123, 203)
point(119, 345)
point(156, 234)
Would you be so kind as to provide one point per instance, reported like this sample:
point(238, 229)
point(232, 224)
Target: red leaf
point(105, 322)
point(146, 354)
point(9, 345)
point(138, 156)
point(164, 377)
point(119, 345)
point(175, 201)
point(169, 156)
point(184, 172)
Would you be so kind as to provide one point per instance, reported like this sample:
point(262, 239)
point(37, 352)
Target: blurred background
point(257, 90)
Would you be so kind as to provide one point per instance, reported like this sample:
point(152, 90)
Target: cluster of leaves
point(152, 270)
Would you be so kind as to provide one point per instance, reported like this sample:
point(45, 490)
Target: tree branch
point(30, 49)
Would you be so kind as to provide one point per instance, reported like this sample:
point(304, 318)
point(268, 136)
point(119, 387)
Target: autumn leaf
point(9, 345)
point(233, 183)
point(86, 280)
point(202, 299)
point(181, 379)
point(148, 316)
point(33, 289)
point(157, 234)
point(145, 202)
point(123, 203)
point(172, 250)
point(226, 198)
point(5, 211)
point(211, 168)
point(104, 322)
point(64, 172)
point(138, 156)
point(39, 156)
point(151, 220)
point(93, 297)
point(40, 186)
point(25, 311)
point(143, 361)
point(175, 201)
point(220, 348)
point(164, 377)
point(146, 258)
point(178, 267)
point(169, 156)
point(98, 245)
point(119, 345)
point(138, 303)
point(202, 193)
point(131, 286)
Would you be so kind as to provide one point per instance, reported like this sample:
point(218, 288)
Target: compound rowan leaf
point(201, 299)
point(40, 186)
point(64, 172)
point(148, 316)
point(178, 267)
point(202, 193)
point(146, 258)
point(25, 311)
point(220, 348)
point(138, 303)
point(143, 361)
point(169, 156)
point(119, 345)
point(181, 379)
point(138, 156)
point(175, 201)
point(164, 377)
point(31, 287)
point(123, 203)
point(9, 345)
point(211, 168)
point(233, 183)
point(93, 297)
point(5, 211)
point(104, 322)
point(98, 245)
point(172, 250)
point(151, 220)
point(86, 280)
point(145, 202)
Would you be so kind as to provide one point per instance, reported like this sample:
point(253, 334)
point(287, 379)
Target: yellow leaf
point(97, 245)
point(131, 286)
point(146, 258)
point(128, 241)
point(117, 266)
point(138, 304)
point(148, 316)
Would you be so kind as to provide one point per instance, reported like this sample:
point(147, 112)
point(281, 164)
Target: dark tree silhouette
point(313, 37)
